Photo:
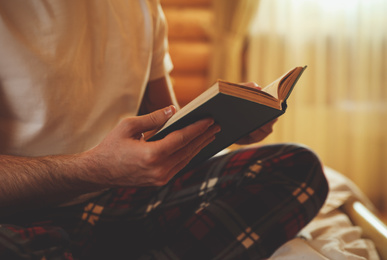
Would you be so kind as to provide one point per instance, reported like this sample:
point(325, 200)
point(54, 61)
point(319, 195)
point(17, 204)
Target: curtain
point(339, 106)
point(232, 20)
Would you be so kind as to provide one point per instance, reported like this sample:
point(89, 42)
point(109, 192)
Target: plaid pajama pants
point(242, 205)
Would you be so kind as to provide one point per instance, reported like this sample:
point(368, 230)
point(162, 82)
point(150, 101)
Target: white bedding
point(331, 234)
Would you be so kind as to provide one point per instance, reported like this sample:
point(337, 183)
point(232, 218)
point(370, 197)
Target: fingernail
point(168, 111)
point(210, 122)
point(257, 86)
point(217, 129)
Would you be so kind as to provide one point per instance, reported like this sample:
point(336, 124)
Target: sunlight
point(338, 5)
point(371, 218)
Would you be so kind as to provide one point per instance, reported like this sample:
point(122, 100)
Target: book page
point(272, 88)
point(248, 93)
point(281, 87)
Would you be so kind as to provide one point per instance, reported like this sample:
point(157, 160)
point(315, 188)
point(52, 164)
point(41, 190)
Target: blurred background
point(339, 106)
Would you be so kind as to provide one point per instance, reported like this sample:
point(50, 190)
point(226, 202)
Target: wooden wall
point(190, 25)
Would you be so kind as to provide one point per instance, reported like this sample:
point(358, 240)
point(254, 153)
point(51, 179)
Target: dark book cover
point(237, 118)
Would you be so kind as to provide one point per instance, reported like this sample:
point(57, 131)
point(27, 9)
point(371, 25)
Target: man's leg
point(244, 204)
point(240, 206)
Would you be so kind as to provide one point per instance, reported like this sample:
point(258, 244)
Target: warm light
point(333, 5)
point(374, 221)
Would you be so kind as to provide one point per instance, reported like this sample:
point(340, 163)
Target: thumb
point(251, 85)
point(154, 120)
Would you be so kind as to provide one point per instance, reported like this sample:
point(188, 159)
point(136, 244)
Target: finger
point(181, 138)
point(152, 121)
point(177, 160)
point(182, 157)
point(182, 163)
point(194, 147)
point(251, 85)
point(259, 134)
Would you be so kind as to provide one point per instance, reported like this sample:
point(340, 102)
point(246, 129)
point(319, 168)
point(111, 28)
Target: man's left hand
point(261, 133)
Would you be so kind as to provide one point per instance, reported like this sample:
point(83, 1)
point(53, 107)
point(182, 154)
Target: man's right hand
point(124, 158)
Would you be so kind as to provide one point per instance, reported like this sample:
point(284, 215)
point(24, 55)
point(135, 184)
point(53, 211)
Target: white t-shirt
point(70, 70)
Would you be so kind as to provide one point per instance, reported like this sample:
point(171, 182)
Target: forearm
point(28, 183)
point(122, 159)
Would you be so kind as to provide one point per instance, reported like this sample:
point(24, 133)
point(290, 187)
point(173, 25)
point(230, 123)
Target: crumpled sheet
point(331, 234)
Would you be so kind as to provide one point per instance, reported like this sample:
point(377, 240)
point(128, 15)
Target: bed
point(345, 228)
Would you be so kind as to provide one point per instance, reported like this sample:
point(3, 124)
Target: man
point(77, 179)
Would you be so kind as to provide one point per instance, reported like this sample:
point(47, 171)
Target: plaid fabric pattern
point(242, 205)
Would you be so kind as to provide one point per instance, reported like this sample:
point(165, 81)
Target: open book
point(238, 109)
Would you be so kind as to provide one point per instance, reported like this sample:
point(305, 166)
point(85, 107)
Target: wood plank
point(190, 56)
point(189, 34)
point(188, 86)
point(189, 23)
point(186, 3)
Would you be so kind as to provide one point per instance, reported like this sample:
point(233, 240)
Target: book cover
point(236, 115)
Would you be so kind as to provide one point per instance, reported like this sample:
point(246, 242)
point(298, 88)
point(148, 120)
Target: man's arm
point(123, 158)
point(33, 182)
point(158, 94)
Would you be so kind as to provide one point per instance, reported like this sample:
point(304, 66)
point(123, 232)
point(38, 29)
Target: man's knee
point(307, 169)
point(293, 167)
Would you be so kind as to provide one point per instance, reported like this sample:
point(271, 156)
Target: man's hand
point(124, 158)
point(259, 134)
